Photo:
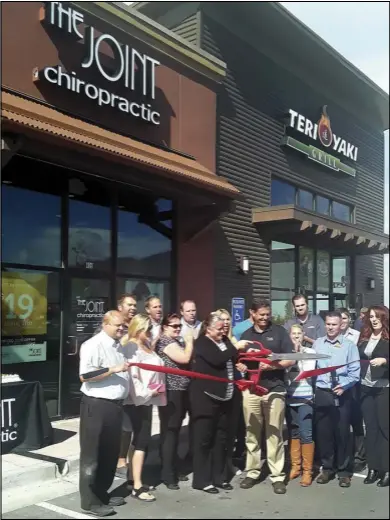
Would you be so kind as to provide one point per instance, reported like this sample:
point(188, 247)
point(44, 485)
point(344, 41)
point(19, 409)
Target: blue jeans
point(300, 422)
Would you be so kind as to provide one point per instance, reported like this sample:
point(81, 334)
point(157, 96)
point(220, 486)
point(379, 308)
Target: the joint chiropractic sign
point(132, 67)
point(323, 133)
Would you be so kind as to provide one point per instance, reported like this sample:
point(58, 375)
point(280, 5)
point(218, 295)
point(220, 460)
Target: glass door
point(87, 301)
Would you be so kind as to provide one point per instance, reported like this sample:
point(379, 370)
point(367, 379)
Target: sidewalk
point(59, 460)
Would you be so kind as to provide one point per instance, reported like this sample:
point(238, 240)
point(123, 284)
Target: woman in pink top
point(147, 388)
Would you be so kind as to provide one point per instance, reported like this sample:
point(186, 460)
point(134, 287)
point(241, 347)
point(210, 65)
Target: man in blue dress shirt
point(333, 401)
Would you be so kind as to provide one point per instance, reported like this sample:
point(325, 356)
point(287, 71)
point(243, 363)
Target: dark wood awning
point(298, 226)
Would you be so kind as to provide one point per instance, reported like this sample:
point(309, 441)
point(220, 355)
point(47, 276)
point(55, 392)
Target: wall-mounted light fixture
point(371, 283)
point(244, 264)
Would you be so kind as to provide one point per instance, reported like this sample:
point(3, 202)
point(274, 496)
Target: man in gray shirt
point(313, 325)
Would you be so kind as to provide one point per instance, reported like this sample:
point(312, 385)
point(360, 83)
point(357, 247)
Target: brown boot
point(307, 464)
point(295, 458)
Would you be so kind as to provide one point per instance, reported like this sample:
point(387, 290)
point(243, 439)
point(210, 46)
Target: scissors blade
point(296, 356)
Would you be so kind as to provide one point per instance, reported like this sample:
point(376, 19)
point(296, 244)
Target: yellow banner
point(24, 304)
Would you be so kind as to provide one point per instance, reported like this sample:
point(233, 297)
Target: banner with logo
point(23, 317)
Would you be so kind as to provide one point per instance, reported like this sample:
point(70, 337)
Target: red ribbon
point(326, 370)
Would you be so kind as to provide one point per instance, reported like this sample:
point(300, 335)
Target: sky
point(360, 32)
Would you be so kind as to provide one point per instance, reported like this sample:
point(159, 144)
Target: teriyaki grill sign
point(322, 133)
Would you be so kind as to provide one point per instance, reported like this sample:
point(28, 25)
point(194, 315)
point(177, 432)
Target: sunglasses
point(175, 326)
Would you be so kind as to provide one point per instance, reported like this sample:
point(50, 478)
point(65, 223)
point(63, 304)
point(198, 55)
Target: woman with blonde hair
point(147, 388)
point(299, 412)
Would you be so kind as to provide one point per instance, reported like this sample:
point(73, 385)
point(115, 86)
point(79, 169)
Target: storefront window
point(30, 328)
point(322, 205)
point(306, 268)
point(283, 265)
point(145, 238)
point(305, 199)
point(323, 271)
point(89, 225)
point(282, 193)
point(282, 308)
point(31, 227)
point(341, 211)
point(341, 275)
point(142, 289)
point(322, 304)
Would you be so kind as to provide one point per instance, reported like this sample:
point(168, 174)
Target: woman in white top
point(374, 351)
point(299, 412)
point(147, 388)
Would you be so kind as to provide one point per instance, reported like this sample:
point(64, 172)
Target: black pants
point(171, 419)
point(357, 426)
point(100, 437)
point(127, 432)
point(333, 432)
point(375, 407)
point(210, 442)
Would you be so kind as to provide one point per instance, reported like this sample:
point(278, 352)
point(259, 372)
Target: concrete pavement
point(329, 501)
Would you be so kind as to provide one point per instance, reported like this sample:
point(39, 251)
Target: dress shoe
point(372, 476)
point(249, 482)
point(100, 511)
point(324, 477)
point(225, 486)
point(279, 488)
point(384, 481)
point(211, 490)
point(172, 487)
point(345, 482)
point(116, 501)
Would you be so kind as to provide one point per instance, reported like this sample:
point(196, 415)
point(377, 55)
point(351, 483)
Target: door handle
point(76, 345)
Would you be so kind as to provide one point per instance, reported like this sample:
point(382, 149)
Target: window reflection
point(145, 236)
point(305, 199)
point(341, 211)
point(306, 268)
point(31, 227)
point(282, 308)
point(282, 193)
point(322, 205)
point(89, 235)
point(283, 265)
point(142, 289)
point(341, 275)
point(323, 271)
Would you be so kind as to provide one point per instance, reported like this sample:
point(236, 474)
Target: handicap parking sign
point(238, 310)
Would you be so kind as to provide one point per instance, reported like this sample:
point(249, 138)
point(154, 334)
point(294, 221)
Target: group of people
point(118, 396)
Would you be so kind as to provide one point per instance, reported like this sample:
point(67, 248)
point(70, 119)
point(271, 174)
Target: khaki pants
point(264, 414)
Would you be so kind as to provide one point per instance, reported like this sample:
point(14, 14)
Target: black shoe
point(183, 478)
point(172, 487)
point(249, 482)
point(279, 488)
point(211, 489)
point(225, 486)
point(384, 481)
point(100, 511)
point(345, 482)
point(372, 476)
point(324, 477)
point(116, 501)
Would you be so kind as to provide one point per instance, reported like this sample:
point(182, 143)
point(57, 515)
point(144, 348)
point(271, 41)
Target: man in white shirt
point(153, 309)
point(189, 323)
point(105, 384)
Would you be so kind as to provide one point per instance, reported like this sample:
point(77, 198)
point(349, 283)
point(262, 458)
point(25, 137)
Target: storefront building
point(300, 134)
point(108, 179)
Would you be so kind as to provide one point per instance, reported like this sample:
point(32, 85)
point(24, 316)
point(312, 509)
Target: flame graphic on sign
point(325, 133)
